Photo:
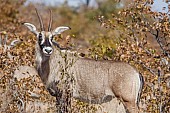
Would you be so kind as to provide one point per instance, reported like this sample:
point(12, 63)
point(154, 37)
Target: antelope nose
point(48, 50)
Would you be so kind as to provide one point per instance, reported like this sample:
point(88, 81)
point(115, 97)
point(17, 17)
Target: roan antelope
point(94, 81)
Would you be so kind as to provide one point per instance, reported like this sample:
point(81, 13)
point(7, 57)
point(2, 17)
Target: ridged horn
point(50, 22)
point(40, 20)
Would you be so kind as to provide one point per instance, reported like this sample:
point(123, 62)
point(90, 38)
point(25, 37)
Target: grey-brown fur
point(42, 64)
point(99, 81)
point(93, 81)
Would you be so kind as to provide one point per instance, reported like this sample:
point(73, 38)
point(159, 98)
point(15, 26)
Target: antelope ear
point(60, 29)
point(32, 28)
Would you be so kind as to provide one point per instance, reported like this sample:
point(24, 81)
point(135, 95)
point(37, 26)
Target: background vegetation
point(132, 33)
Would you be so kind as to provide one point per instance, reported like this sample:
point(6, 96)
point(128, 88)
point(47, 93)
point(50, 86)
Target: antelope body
point(94, 81)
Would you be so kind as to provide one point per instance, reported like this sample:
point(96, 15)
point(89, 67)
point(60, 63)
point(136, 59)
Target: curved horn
point(50, 22)
point(40, 20)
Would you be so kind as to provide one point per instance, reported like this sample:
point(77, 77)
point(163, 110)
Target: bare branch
point(160, 43)
point(0, 41)
point(5, 43)
point(146, 67)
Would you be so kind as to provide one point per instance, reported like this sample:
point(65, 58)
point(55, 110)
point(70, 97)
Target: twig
point(159, 86)
point(0, 41)
point(22, 103)
point(5, 43)
point(159, 42)
point(149, 69)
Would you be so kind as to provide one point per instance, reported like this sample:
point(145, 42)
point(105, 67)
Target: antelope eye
point(40, 37)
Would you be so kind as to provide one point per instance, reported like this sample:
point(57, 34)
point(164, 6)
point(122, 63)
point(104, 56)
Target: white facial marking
point(43, 39)
point(50, 38)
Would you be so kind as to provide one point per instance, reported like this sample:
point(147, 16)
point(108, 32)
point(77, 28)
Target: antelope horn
point(50, 22)
point(40, 20)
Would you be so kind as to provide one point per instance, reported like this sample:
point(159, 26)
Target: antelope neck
point(44, 68)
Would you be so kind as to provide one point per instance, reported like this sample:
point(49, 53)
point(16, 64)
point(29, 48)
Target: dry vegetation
point(133, 34)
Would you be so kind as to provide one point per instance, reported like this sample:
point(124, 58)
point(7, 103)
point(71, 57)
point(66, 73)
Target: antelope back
point(94, 78)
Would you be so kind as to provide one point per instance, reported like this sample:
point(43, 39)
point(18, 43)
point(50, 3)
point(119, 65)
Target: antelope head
point(45, 38)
